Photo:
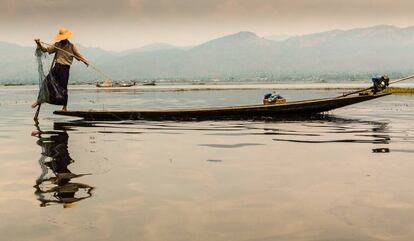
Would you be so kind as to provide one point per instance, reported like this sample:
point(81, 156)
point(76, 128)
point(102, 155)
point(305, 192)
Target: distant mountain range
point(337, 54)
point(278, 37)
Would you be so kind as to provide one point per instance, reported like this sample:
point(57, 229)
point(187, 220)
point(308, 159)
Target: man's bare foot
point(35, 133)
point(64, 108)
point(35, 104)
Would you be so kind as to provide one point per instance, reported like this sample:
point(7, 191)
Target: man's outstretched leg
point(36, 117)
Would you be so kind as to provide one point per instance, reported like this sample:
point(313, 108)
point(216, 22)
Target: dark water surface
point(347, 176)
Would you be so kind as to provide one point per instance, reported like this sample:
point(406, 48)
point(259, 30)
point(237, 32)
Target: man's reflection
point(54, 185)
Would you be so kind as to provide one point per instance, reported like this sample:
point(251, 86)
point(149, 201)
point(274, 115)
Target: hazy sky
point(122, 24)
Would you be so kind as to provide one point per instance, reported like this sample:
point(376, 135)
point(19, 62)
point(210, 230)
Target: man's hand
point(39, 45)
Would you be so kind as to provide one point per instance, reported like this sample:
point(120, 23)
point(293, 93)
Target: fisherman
point(380, 83)
point(60, 70)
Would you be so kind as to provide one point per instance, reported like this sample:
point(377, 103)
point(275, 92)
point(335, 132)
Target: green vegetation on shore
point(399, 90)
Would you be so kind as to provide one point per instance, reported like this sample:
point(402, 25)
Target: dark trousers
point(57, 84)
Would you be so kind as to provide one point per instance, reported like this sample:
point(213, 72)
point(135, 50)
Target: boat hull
point(296, 108)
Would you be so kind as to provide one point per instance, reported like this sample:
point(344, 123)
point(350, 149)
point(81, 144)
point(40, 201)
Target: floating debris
point(214, 160)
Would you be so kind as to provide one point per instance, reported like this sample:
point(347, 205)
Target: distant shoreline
point(401, 88)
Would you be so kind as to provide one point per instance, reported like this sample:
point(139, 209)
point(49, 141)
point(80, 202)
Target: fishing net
point(49, 89)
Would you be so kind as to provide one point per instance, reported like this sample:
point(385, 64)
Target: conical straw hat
point(63, 34)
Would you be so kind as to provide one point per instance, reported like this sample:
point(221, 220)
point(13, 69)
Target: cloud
point(138, 22)
point(160, 10)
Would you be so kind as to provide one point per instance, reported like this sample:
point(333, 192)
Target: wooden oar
point(90, 64)
point(362, 90)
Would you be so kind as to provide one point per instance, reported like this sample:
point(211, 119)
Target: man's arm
point(79, 56)
point(50, 49)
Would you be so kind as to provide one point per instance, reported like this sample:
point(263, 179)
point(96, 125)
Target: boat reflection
point(55, 185)
point(332, 129)
point(318, 129)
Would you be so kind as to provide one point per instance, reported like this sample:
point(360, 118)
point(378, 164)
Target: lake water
point(347, 176)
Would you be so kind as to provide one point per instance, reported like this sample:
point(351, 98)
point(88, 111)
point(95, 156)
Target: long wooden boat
point(289, 109)
point(110, 83)
point(149, 83)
